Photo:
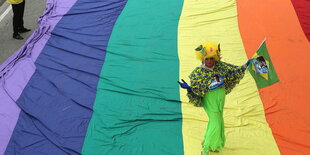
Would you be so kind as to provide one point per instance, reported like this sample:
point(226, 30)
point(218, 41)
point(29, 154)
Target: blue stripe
point(57, 102)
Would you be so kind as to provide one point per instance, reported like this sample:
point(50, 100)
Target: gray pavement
point(8, 45)
point(1, 2)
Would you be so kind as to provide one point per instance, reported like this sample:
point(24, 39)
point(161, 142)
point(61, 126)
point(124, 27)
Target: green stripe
point(137, 108)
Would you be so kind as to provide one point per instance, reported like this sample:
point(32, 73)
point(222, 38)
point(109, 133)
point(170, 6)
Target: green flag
point(262, 69)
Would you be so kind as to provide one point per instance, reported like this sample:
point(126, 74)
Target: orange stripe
point(286, 103)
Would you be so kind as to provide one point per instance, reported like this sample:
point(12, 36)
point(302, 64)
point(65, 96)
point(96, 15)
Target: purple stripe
point(17, 70)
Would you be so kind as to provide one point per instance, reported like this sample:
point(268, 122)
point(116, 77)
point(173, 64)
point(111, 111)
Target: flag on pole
point(262, 69)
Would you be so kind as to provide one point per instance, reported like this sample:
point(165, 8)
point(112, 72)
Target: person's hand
point(245, 66)
point(248, 62)
point(184, 85)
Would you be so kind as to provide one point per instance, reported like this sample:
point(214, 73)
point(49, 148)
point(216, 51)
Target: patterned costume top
point(201, 78)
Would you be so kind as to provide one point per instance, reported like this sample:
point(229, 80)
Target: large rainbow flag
point(99, 78)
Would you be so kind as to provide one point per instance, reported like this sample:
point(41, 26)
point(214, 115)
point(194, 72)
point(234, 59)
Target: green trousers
point(213, 104)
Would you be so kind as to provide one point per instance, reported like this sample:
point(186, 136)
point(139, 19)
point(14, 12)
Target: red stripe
point(302, 8)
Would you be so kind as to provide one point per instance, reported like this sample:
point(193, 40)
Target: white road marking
point(5, 12)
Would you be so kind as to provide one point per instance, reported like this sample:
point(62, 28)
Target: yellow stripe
point(246, 129)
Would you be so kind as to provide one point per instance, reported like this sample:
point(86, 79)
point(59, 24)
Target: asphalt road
point(1, 2)
point(8, 45)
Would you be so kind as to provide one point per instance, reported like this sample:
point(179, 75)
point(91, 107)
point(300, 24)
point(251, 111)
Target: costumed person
point(209, 83)
point(18, 7)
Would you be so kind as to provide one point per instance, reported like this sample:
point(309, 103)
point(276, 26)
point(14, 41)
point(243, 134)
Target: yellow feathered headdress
point(208, 50)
